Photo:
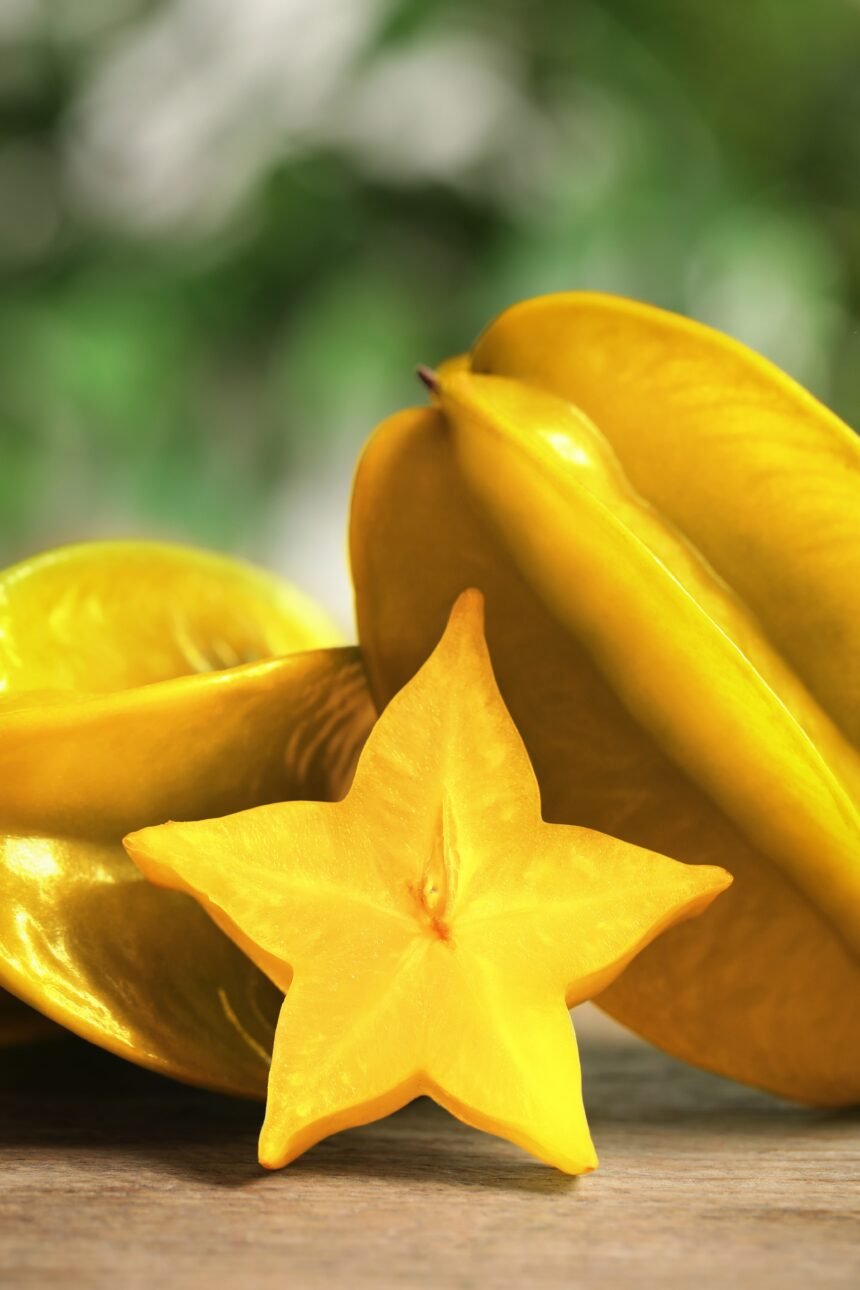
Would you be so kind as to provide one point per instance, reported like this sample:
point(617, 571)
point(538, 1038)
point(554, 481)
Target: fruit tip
point(468, 609)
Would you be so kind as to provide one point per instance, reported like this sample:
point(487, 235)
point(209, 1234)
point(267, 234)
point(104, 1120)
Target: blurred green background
point(230, 228)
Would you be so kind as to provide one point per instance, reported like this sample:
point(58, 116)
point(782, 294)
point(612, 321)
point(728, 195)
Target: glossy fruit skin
point(144, 682)
point(631, 682)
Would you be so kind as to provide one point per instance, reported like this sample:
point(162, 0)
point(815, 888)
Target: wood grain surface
point(110, 1177)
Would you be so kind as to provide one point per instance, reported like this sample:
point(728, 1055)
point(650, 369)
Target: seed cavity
point(436, 888)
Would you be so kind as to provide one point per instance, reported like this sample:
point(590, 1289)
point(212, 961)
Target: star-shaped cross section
point(430, 931)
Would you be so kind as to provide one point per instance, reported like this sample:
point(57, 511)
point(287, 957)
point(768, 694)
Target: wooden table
point(110, 1177)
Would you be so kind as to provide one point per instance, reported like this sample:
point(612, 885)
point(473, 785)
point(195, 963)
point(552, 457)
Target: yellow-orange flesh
point(431, 929)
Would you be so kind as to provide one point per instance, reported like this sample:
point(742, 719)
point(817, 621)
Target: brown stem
point(428, 376)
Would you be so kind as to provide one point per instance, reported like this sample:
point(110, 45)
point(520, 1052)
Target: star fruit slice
point(431, 930)
point(141, 682)
point(642, 573)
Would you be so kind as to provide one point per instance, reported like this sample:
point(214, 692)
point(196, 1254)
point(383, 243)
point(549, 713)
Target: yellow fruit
point(666, 531)
point(137, 684)
point(430, 930)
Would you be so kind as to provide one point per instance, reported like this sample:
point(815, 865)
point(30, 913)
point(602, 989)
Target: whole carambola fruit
point(141, 683)
point(667, 532)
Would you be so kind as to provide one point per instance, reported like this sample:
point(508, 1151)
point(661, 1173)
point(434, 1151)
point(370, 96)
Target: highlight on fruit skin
point(140, 681)
point(430, 930)
point(666, 530)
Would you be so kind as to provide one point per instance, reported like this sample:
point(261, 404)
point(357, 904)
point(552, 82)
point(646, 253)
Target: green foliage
point(188, 321)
